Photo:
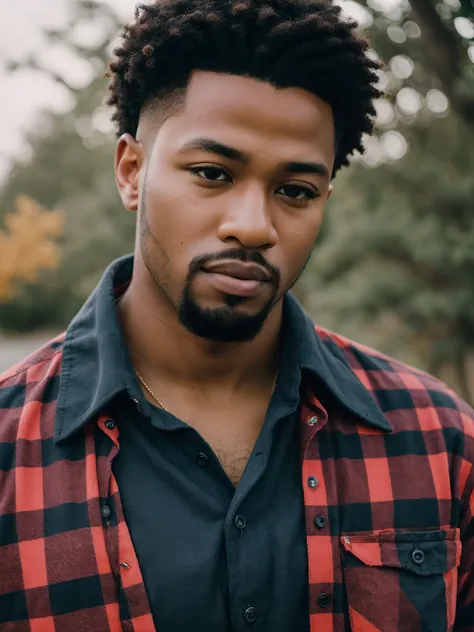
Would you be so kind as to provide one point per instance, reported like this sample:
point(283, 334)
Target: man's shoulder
point(398, 387)
point(35, 379)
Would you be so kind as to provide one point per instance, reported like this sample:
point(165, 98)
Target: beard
point(226, 323)
point(220, 324)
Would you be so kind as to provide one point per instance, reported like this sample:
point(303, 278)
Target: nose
point(248, 219)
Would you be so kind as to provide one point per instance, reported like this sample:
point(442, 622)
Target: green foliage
point(467, 8)
point(394, 265)
point(407, 248)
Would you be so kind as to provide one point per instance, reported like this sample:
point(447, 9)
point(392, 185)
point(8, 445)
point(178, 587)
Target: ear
point(129, 157)
point(330, 190)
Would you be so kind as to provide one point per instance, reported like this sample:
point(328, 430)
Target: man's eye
point(298, 193)
point(212, 174)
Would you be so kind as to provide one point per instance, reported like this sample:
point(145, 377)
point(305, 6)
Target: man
point(193, 454)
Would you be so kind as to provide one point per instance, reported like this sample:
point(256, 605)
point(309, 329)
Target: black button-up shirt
point(236, 557)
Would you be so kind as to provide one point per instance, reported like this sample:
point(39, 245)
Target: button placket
point(324, 600)
point(240, 522)
point(320, 521)
point(202, 459)
point(312, 482)
point(106, 512)
point(251, 615)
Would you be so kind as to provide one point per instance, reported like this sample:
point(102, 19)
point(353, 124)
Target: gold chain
point(151, 392)
point(164, 407)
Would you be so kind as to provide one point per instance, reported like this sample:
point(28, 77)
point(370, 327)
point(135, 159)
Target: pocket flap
point(421, 552)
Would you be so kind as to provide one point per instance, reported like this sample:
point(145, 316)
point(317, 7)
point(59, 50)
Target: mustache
point(235, 254)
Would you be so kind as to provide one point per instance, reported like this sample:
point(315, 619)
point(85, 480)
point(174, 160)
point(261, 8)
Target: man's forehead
point(213, 101)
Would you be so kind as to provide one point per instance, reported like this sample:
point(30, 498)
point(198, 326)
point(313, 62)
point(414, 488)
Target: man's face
point(230, 197)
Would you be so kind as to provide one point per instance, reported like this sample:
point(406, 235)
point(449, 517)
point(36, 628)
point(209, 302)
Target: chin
point(228, 322)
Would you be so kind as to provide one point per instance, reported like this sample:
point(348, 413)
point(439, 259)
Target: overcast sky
point(22, 94)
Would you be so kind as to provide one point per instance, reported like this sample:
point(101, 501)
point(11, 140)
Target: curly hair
point(287, 43)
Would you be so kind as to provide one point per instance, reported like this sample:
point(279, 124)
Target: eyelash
point(311, 195)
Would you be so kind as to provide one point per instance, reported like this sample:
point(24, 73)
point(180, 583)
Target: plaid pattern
point(389, 506)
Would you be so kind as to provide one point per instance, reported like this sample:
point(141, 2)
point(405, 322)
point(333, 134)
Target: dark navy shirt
point(216, 557)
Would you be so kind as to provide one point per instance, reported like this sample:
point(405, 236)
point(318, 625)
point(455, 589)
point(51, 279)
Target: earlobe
point(128, 162)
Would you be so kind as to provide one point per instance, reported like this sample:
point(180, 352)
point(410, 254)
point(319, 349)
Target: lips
point(246, 271)
point(237, 278)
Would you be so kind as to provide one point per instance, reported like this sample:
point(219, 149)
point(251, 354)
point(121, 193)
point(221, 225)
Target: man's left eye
point(296, 192)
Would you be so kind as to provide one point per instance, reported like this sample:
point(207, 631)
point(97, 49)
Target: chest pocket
point(401, 580)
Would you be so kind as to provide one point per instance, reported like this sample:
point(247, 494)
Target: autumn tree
point(71, 167)
point(27, 245)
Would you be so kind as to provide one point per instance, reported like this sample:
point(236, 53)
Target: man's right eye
point(211, 174)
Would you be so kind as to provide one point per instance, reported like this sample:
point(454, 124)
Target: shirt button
point(418, 556)
point(251, 615)
point(240, 522)
point(313, 482)
point(202, 459)
point(324, 600)
point(106, 512)
point(320, 522)
point(109, 424)
point(312, 421)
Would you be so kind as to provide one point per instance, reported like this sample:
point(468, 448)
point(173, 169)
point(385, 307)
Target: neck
point(162, 350)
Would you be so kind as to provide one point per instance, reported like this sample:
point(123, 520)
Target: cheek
point(299, 241)
point(176, 223)
point(165, 207)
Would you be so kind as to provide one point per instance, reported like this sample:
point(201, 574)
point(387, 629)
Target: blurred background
point(394, 265)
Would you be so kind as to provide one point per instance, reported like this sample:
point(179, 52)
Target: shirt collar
point(96, 365)
point(326, 361)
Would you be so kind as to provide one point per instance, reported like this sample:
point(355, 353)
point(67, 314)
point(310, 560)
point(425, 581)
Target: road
point(14, 349)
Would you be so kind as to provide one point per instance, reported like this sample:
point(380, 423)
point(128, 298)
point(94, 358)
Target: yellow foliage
point(27, 245)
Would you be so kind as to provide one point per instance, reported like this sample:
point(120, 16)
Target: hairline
point(161, 106)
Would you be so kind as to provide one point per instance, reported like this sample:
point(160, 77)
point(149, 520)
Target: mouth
point(237, 278)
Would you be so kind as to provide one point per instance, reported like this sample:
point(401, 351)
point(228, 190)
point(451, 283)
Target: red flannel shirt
point(398, 459)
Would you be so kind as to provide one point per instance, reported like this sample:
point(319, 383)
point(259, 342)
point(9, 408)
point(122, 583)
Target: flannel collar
point(96, 366)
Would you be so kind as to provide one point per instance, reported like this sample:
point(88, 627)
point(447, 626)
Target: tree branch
point(444, 55)
point(32, 64)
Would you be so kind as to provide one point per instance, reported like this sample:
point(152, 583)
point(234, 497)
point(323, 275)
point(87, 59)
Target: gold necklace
point(164, 407)
point(151, 392)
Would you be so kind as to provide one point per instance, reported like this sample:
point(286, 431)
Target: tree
point(445, 52)
point(397, 262)
point(71, 168)
point(393, 266)
point(27, 245)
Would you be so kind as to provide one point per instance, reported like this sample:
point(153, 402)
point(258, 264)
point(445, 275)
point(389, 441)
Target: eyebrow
point(214, 147)
point(317, 168)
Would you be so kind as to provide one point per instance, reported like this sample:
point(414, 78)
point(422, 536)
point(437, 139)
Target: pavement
point(14, 349)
